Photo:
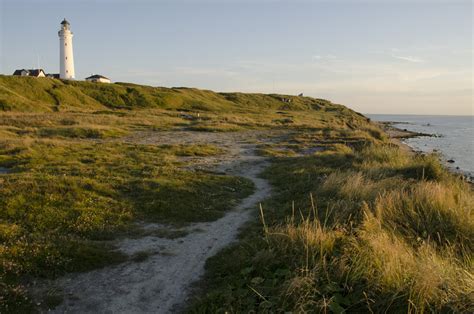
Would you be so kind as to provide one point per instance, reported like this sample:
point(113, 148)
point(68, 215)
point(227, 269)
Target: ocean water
point(455, 137)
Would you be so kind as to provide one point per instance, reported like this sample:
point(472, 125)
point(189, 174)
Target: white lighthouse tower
point(66, 58)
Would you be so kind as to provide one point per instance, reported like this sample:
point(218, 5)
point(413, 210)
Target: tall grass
point(411, 278)
point(438, 212)
point(380, 231)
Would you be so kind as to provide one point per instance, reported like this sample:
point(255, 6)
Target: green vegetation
point(75, 178)
point(32, 94)
point(62, 196)
point(48, 108)
point(354, 224)
point(366, 228)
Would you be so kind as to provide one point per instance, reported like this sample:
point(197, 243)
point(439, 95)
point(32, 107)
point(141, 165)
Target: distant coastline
point(412, 136)
point(399, 133)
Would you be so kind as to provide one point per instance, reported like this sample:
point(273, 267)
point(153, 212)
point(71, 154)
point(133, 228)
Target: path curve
point(162, 282)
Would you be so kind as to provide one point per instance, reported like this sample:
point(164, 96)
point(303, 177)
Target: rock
point(451, 161)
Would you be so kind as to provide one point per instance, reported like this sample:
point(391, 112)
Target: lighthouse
point(66, 58)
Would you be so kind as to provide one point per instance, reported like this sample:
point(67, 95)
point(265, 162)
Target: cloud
point(408, 58)
point(326, 57)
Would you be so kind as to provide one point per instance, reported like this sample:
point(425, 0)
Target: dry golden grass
point(375, 230)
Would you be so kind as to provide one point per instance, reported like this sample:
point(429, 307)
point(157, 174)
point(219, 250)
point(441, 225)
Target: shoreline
point(397, 135)
point(394, 132)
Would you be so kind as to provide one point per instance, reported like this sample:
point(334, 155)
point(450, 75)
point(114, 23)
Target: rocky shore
point(397, 135)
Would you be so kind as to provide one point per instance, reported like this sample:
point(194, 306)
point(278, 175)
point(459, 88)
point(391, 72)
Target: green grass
point(73, 109)
point(77, 132)
point(62, 197)
point(364, 229)
point(23, 93)
point(354, 223)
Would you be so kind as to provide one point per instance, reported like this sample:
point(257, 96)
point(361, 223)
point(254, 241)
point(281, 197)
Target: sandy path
point(161, 283)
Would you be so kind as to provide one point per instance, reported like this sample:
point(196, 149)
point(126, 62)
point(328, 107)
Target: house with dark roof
point(96, 78)
point(30, 72)
point(53, 75)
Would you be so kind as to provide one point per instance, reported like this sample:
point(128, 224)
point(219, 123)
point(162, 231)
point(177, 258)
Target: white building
point(66, 58)
point(96, 78)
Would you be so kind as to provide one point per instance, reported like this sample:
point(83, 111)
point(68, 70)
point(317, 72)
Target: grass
point(62, 196)
point(32, 94)
point(72, 182)
point(78, 132)
point(352, 229)
point(354, 223)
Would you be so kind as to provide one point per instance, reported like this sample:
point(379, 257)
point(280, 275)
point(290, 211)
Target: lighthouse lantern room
point(66, 58)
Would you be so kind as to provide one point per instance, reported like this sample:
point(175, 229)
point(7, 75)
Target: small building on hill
point(30, 72)
point(53, 75)
point(96, 78)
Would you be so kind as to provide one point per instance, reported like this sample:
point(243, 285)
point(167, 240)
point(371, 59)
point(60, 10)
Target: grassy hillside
point(354, 224)
point(45, 94)
point(83, 109)
point(72, 177)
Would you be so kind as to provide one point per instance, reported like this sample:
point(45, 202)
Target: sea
point(454, 137)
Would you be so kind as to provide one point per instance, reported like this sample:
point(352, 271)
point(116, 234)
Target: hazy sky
point(373, 56)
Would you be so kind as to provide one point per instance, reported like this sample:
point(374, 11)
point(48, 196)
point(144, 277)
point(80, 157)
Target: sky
point(389, 57)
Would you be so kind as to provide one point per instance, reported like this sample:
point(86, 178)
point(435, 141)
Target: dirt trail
point(161, 283)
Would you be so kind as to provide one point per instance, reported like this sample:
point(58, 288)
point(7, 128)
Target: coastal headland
point(150, 199)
